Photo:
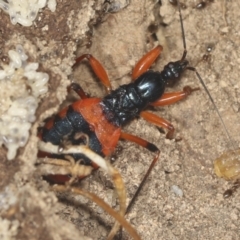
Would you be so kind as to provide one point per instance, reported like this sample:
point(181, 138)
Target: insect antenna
point(183, 33)
point(199, 77)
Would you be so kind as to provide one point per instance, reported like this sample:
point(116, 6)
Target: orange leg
point(146, 61)
point(98, 70)
point(170, 98)
point(158, 121)
point(151, 147)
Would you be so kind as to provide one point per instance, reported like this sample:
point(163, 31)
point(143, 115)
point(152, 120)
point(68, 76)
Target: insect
point(101, 120)
point(227, 166)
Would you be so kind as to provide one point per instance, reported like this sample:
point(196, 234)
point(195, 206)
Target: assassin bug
point(101, 120)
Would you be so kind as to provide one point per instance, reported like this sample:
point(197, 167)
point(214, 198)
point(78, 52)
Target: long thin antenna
point(211, 99)
point(183, 33)
point(199, 77)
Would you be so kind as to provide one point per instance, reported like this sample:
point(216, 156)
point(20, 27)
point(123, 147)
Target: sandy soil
point(118, 41)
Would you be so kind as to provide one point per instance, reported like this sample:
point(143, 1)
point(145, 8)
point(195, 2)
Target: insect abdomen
point(67, 127)
point(82, 117)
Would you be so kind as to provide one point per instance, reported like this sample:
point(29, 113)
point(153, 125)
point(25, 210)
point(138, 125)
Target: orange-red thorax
point(107, 134)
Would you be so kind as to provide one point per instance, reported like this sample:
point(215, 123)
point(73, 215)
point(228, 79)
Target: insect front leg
point(173, 97)
point(146, 61)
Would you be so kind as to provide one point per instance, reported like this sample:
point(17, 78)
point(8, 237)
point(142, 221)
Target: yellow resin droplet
point(227, 166)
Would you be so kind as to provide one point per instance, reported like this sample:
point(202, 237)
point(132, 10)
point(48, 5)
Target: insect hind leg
point(149, 146)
